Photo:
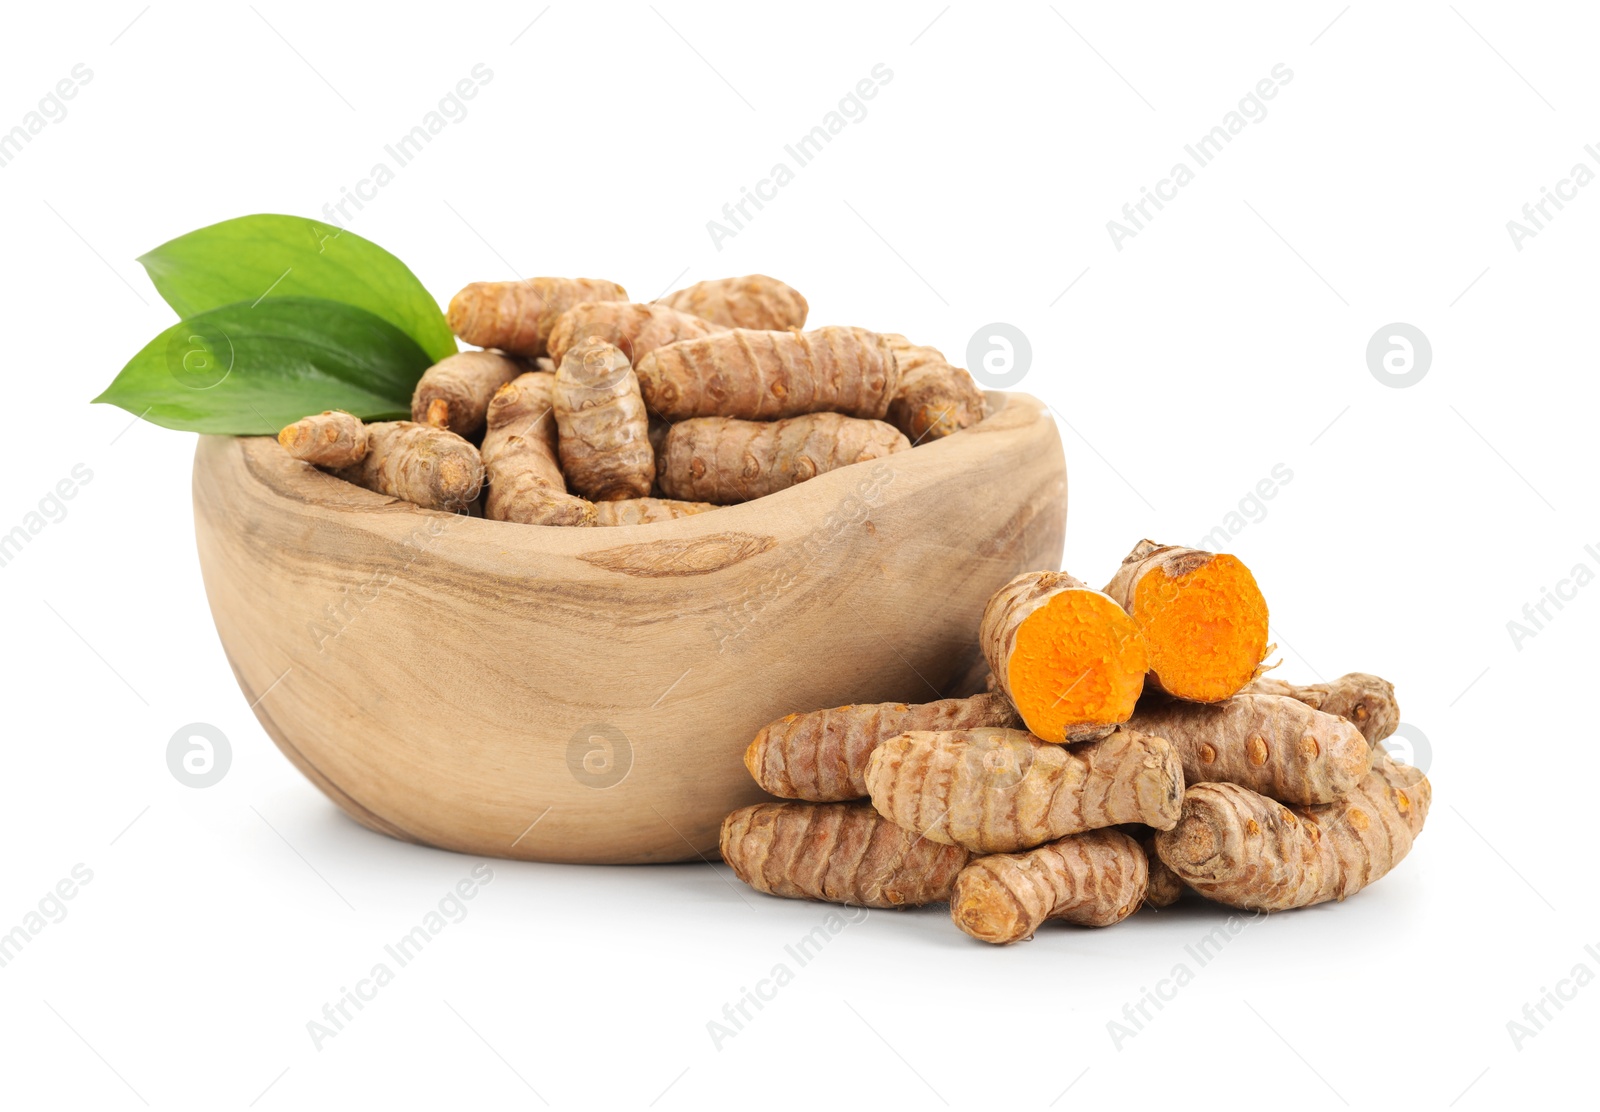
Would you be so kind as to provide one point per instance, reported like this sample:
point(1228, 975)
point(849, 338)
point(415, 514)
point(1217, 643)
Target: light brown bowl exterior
point(586, 695)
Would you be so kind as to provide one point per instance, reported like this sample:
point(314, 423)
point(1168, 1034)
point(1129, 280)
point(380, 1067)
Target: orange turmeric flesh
point(1206, 627)
point(1077, 666)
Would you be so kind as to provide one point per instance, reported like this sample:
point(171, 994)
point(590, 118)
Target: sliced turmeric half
point(1202, 616)
point(1069, 658)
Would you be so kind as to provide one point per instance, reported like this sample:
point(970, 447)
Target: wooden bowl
point(587, 694)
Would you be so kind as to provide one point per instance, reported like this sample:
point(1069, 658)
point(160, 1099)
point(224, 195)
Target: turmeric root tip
point(1092, 880)
point(332, 438)
point(1201, 614)
point(840, 852)
point(1366, 701)
point(934, 398)
point(1071, 661)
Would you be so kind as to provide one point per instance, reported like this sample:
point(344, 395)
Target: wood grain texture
point(586, 695)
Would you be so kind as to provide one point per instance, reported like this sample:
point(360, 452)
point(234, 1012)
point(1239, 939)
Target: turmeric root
point(934, 399)
point(1243, 849)
point(1268, 743)
point(331, 439)
point(1201, 614)
point(1166, 887)
point(519, 457)
point(604, 431)
point(434, 468)
point(764, 376)
point(635, 329)
point(1071, 661)
point(841, 852)
point(822, 755)
point(1093, 880)
point(996, 790)
point(517, 317)
point(717, 459)
point(658, 435)
point(644, 511)
point(754, 301)
point(1366, 700)
point(454, 393)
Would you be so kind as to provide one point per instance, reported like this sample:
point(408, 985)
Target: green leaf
point(250, 369)
point(252, 258)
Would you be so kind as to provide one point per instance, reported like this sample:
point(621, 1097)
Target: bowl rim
point(780, 516)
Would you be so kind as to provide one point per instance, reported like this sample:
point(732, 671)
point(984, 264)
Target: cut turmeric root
point(840, 852)
point(1201, 614)
point(1094, 879)
point(1365, 700)
point(1243, 849)
point(1268, 743)
point(1070, 659)
point(997, 790)
point(822, 755)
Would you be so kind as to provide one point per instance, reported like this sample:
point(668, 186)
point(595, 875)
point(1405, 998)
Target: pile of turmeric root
point(1129, 749)
point(584, 408)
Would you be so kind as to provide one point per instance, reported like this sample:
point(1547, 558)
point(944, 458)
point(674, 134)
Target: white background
point(1227, 337)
